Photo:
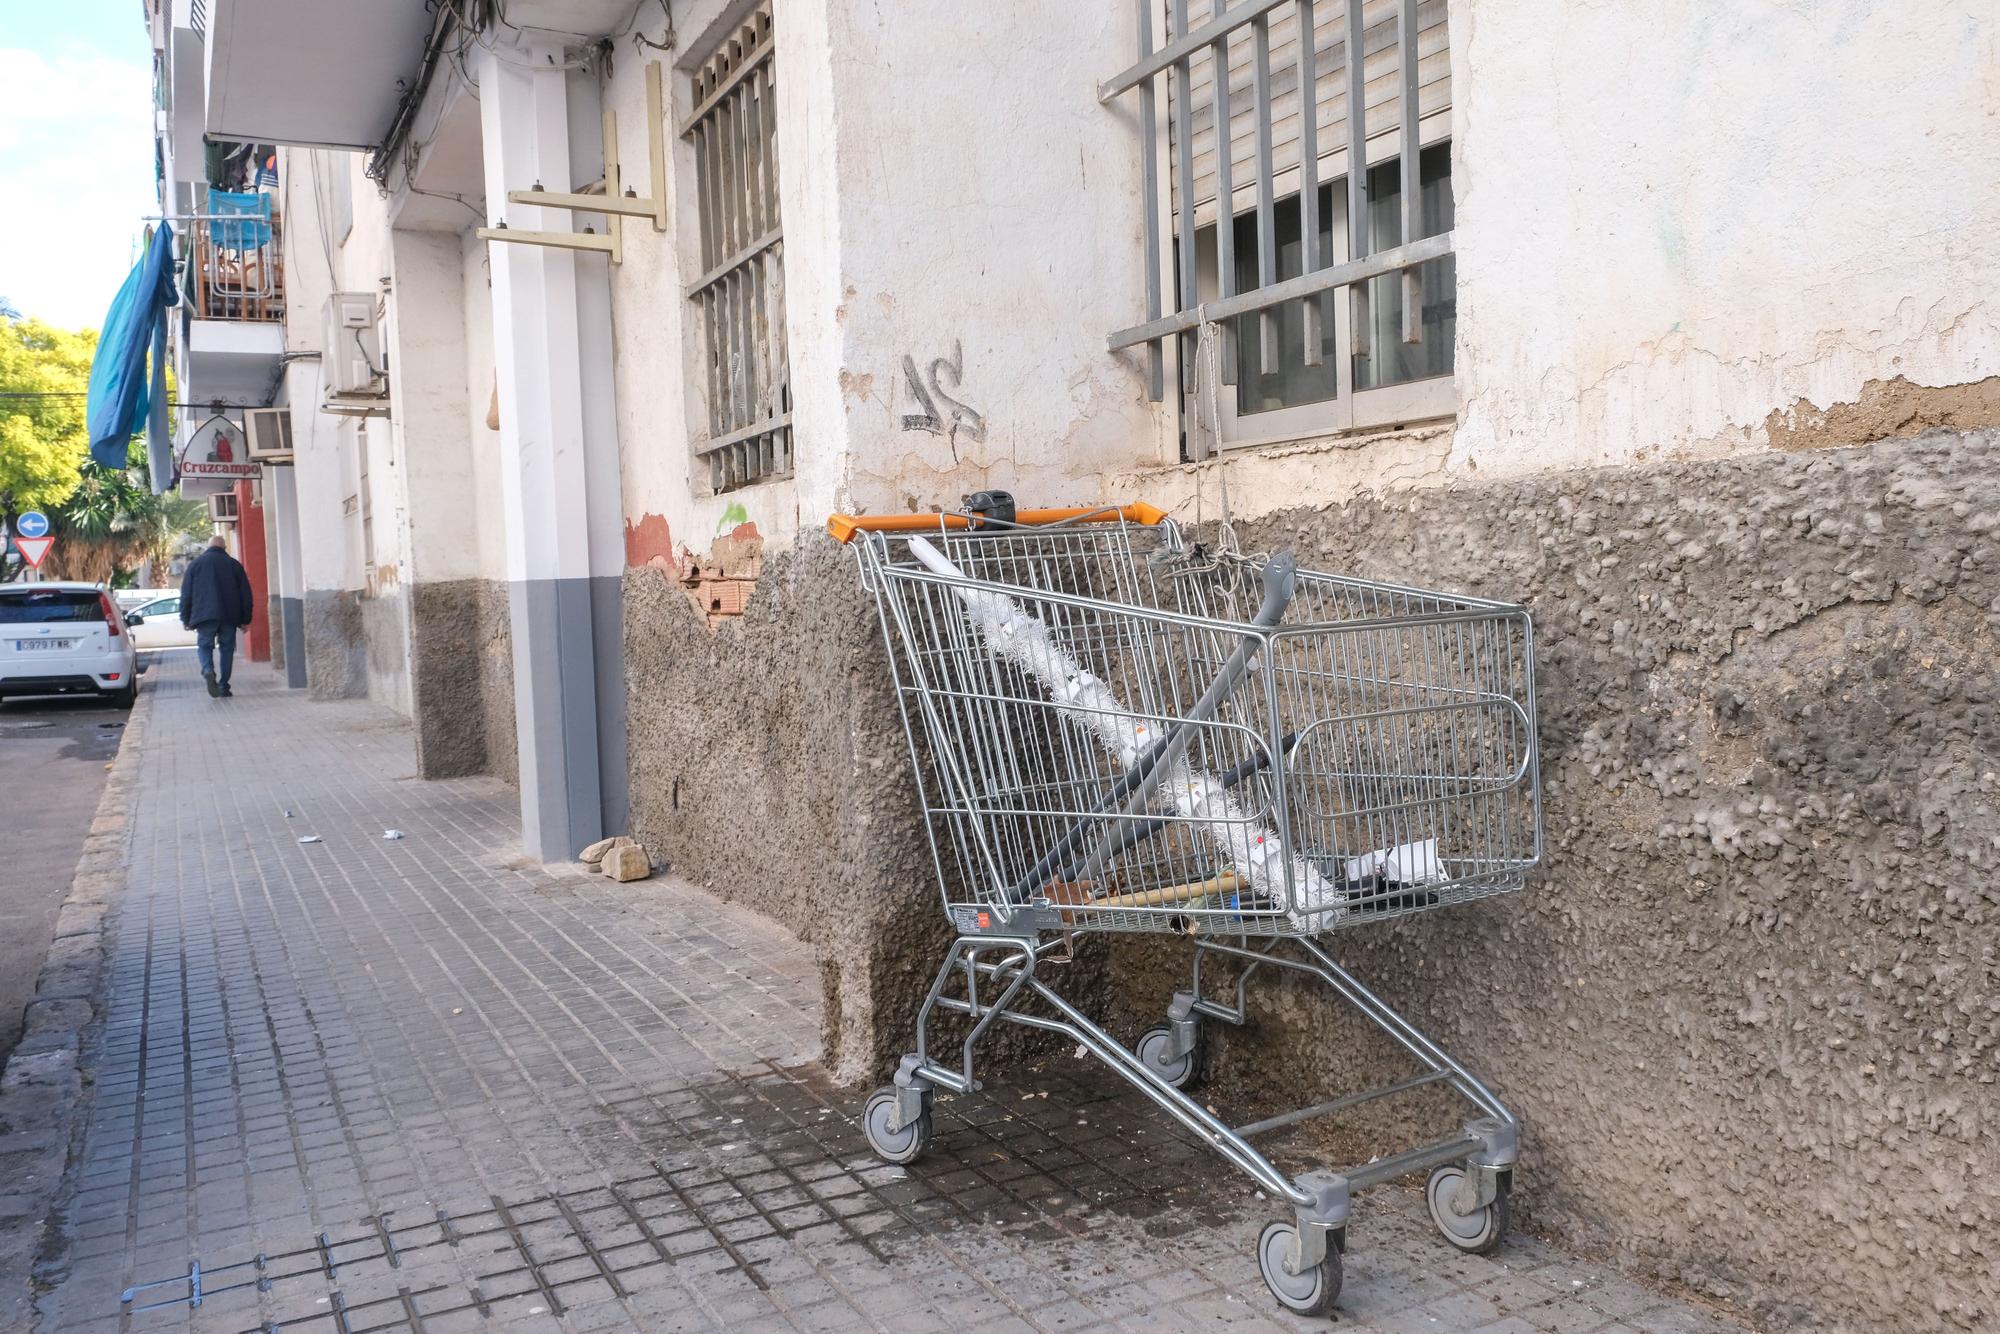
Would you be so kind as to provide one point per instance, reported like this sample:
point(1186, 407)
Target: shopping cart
point(1114, 730)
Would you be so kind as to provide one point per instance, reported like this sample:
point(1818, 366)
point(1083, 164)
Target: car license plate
point(30, 645)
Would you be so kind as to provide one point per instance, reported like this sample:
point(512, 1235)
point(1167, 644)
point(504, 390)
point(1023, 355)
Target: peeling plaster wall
point(990, 223)
point(1750, 1013)
point(1676, 219)
point(935, 266)
point(659, 375)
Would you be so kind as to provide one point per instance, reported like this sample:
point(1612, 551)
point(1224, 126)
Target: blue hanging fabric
point(252, 233)
point(118, 401)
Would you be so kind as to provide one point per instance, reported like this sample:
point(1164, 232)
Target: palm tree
point(113, 521)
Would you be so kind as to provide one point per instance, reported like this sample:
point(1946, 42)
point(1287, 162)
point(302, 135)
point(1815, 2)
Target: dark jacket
point(215, 591)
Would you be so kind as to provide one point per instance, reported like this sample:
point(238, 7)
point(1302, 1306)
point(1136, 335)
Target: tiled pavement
point(419, 1084)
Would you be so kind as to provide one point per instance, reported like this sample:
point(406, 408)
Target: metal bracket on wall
point(617, 202)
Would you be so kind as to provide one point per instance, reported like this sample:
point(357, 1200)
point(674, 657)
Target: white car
point(128, 598)
point(65, 639)
point(157, 624)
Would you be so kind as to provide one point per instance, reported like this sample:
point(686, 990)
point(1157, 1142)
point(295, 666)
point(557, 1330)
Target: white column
point(281, 517)
point(554, 435)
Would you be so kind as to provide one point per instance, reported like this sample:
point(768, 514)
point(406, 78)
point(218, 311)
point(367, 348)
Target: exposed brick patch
point(722, 582)
point(650, 542)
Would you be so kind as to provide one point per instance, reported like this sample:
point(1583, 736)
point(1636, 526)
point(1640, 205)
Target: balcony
point(232, 283)
point(233, 259)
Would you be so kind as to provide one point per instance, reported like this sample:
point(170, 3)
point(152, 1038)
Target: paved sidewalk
point(423, 1085)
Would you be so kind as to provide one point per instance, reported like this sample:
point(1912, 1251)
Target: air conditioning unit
point(269, 431)
point(356, 374)
point(222, 507)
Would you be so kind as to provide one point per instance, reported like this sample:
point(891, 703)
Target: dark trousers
point(206, 639)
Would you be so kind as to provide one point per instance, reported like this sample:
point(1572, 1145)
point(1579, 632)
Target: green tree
point(112, 521)
point(44, 438)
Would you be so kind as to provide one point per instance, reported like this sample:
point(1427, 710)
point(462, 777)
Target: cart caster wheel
point(899, 1146)
point(1310, 1293)
point(1475, 1233)
point(1178, 1072)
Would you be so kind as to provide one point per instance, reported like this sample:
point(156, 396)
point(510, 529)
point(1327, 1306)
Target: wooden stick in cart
point(1227, 882)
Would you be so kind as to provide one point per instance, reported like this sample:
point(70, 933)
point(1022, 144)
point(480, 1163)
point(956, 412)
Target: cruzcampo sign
point(215, 458)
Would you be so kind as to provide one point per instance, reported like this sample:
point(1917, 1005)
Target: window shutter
point(1383, 97)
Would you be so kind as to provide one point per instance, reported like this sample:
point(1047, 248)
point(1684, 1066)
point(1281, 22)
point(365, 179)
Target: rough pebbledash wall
point(494, 644)
point(1750, 1014)
point(336, 647)
point(462, 679)
point(769, 766)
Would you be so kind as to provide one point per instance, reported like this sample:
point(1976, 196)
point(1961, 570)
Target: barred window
point(1303, 205)
point(739, 297)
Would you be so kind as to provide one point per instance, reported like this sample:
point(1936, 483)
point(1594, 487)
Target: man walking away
point(215, 603)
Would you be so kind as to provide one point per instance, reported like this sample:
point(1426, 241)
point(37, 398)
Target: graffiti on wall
point(933, 406)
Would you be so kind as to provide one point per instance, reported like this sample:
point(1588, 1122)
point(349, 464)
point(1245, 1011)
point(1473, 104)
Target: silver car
point(65, 639)
point(157, 624)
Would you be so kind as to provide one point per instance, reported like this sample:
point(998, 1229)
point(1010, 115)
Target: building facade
point(1686, 337)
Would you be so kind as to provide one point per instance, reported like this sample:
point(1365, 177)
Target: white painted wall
point(484, 494)
point(1677, 217)
point(989, 206)
point(321, 447)
point(1673, 221)
point(980, 207)
point(429, 393)
point(655, 355)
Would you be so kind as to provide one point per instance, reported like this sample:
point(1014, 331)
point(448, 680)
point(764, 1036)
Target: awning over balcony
point(306, 72)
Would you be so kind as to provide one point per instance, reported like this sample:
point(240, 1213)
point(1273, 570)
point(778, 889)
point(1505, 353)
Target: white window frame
point(1430, 399)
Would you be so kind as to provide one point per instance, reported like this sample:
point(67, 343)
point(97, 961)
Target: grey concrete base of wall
point(336, 645)
point(290, 625)
point(570, 712)
point(453, 634)
point(1748, 1014)
point(275, 618)
point(494, 646)
point(385, 634)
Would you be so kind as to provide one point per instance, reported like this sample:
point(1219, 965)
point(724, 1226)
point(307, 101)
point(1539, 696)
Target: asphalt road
point(54, 752)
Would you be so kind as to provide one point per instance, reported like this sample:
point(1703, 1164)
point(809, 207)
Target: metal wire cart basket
point(1113, 730)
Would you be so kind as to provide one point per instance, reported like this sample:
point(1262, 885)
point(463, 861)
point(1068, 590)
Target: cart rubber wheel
point(1152, 1049)
point(901, 1146)
point(1310, 1293)
point(1475, 1233)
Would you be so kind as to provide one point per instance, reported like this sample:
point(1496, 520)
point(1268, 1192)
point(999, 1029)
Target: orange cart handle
point(845, 526)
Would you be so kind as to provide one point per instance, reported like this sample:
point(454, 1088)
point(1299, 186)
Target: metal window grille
point(739, 299)
point(1287, 102)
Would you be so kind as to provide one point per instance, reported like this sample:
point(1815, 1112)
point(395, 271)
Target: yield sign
point(33, 549)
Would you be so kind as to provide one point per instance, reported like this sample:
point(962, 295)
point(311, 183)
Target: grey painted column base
point(568, 694)
point(336, 644)
point(292, 626)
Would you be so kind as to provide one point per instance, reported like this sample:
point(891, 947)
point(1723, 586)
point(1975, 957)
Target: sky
point(76, 153)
